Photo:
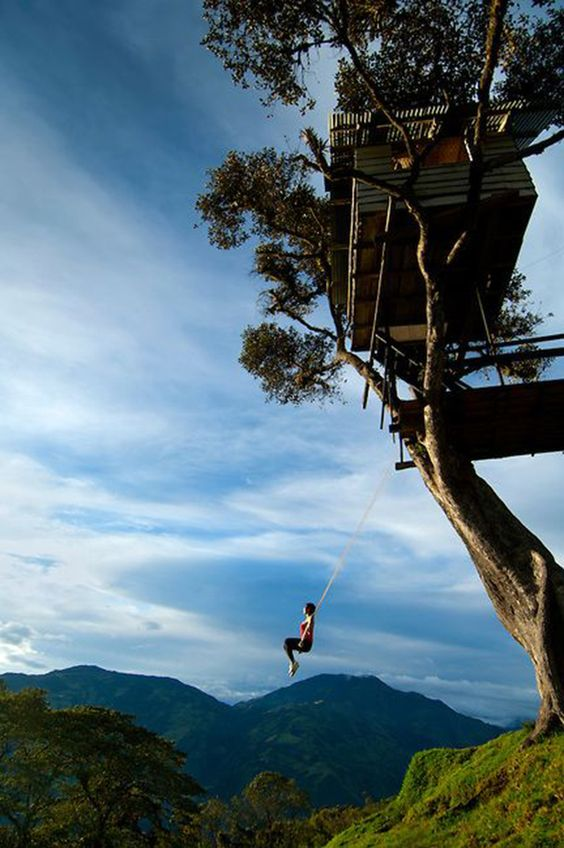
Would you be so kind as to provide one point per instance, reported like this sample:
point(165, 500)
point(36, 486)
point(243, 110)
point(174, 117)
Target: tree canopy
point(399, 52)
point(88, 776)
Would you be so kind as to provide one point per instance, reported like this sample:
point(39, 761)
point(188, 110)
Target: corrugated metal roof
point(349, 130)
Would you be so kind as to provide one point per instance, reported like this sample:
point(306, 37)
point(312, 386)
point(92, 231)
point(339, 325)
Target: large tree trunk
point(521, 577)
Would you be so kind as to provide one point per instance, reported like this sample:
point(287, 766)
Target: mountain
point(341, 737)
point(164, 705)
point(345, 737)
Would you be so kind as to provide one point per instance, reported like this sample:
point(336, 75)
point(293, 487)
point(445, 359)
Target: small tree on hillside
point(458, 54)
point(272, 797)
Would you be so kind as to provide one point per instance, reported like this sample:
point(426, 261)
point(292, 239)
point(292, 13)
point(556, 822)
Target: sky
point(157, 515)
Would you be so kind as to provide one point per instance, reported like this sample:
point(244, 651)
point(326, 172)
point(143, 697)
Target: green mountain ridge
point(341, 737)
point(499, 794)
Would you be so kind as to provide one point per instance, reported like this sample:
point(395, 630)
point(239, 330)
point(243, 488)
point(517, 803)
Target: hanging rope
point(344, 553)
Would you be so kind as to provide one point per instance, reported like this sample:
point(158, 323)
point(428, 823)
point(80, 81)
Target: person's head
point(309, 608)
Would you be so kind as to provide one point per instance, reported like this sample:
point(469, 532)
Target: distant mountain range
point(342, 738)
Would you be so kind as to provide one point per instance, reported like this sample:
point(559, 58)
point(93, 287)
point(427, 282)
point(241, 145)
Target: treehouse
point(376, 277)
point(374, 241)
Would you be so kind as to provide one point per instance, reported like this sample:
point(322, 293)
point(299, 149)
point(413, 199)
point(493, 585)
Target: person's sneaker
point(293, 668)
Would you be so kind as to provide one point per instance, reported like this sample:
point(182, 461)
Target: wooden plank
point(498, 421)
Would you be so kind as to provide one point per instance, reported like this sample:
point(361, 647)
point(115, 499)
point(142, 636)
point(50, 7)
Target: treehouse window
point(447, 151)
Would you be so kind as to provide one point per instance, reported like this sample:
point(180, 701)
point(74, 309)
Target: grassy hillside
point(499, 794)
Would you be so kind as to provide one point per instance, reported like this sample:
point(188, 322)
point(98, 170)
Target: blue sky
point(157, 515)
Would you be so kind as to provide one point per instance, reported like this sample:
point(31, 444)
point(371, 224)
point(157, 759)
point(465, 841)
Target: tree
point(267, 814)
point(127, 785)
point(393, 54)
point(30, 775)
point(86, 776)
point(214, 817)
point(272, 797)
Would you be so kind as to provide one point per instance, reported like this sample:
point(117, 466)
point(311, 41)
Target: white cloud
point(338, 502)
point(492, 702)
point(16, 645)
point(104, 313)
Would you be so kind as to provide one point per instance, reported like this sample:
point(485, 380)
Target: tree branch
point(293, 256)
point(458, 246)
point(340, 25)
point(434, 359)
point(287, 232)
point(476, 177)
point(498, 10)
point(322, 331)
point(344, 172)
point(398, 192)
point(305, 46)
point(436, 444)
point(295, 316)
point(378, 100)
point(531, 150)
point(367, 372)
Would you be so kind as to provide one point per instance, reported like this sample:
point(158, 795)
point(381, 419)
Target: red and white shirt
point(306, 630)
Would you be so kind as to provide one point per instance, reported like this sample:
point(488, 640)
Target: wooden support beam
point(377, 299)
point(502, 358)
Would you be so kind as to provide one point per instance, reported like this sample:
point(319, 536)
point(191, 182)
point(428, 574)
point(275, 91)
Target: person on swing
point(304, 644)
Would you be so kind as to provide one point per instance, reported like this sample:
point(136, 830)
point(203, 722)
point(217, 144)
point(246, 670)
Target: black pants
point(291, 645)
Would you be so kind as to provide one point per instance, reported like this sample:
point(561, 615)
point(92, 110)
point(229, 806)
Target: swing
point(294, 665)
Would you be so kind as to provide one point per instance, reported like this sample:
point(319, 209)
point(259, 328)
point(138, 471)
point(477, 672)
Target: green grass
point(498, 794)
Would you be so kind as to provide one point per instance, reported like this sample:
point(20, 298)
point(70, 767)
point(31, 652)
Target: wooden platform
point(497, 421)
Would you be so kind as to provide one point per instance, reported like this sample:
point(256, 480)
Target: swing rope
point(351, 541)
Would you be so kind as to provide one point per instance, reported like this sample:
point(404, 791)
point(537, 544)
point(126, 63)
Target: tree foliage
point(412, 51)
point(30, 774)
point(268, 197)
point(271, 42)
point(272, 811)
point(393, 54)
point(86, 776)
point(533, 58)
point(291, 366)
point(272, 796)
point(517, 320)
point(421, 42)
point(260, 194)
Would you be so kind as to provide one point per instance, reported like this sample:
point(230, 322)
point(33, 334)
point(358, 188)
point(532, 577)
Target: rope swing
point(305, 641)
point(352, 539)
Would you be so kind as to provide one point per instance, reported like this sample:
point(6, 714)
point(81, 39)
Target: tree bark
point(523, 581)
